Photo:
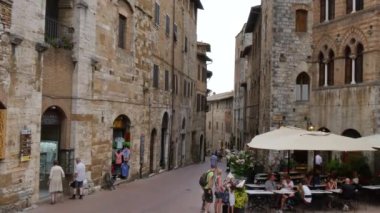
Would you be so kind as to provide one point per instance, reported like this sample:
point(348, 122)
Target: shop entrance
point(151, 150)
point(201, 149)
point(121, 143)
point(183, 144)
point(51, 133)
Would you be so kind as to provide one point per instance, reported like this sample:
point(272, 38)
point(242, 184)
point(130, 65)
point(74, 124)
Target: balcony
point(58, 35)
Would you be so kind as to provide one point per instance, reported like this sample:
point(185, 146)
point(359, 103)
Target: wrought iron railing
point(57, 34)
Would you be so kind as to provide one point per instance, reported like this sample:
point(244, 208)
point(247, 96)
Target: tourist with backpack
point(207, 182)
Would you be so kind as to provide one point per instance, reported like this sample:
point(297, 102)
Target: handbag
point(73, 184)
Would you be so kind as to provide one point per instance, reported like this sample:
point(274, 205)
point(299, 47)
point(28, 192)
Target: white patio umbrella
point(292, 138)
point(372, 140)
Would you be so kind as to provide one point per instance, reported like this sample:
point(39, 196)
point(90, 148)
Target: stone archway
point(153, 136)
point(53, 123)
point(164, 132)
point(347, 156)
point(121, 141)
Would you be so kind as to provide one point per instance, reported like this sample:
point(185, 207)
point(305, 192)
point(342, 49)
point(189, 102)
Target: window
point(354, 5)
point(216, 125)
point(302, 87)
point(204, 74)
point(330, 69)
point(175, 32)
point(122, 29)
point(166, 80)
point(301, 21)
point(327, 10)
point(209, 125)
point(359, 63)
point(199, 72)
point(175, 84)
point(198, 102)
point(167, 29)
point(157, 14)
point(321, 70)
point(155, 76)
point(348, 65)
point(184, 87)
point(185, 44)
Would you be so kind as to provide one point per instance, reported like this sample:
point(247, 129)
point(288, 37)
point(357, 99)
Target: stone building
point(219, 121)
point(86, 78)
point(277, 66)
point(243, 45)
point(345, 68)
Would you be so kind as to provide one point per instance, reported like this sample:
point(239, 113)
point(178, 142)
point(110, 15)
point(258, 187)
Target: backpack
point(203, 179)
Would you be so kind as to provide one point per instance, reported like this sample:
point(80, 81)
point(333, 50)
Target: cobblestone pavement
point(176, 191)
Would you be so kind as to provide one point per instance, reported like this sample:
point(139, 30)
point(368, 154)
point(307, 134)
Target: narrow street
point(174, 191)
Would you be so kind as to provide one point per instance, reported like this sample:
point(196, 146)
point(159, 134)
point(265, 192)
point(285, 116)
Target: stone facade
point(219, 121)
point(347, 108)
point(111, 69)
point(274, 63)
point(314, 70)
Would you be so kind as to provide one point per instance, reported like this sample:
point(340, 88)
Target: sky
point(218, 24)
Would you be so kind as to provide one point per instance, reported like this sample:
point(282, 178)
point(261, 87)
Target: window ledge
point(373, 83)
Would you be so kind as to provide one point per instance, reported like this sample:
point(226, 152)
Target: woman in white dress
point(55, 181)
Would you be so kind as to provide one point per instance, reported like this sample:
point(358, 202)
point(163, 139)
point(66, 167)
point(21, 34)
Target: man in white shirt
point(80, 176)
point(318, 162)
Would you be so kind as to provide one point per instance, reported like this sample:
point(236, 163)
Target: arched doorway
point(151, 150)
point(3, 121)
point(52, 125)
point(347, 156)
point(121, 140)
point(164, 130)
point(201, 149)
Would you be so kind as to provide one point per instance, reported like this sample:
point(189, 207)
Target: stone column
point(353, 57)
point(326, 73)
point(353, 6)
point(326, 10)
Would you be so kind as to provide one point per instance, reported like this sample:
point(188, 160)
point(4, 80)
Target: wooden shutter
point(301, 21)
point(323, 10)
point(3, 120)
point(349, 6)
point(157, 14)
point(166, 80)
point(167, 25)
point(155, 76)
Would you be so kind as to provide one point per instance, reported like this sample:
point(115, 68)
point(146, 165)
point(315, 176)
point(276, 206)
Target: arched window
point(330, 69)
point(302, 87)
point(359, 63)
point(301, 20)
point(321, 70)
point(348, 65)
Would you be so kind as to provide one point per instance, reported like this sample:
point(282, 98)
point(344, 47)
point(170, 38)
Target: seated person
point(287, 183)
point(331, 183)
point(302, 194)
point(308, 180)
point(348, 190)
point(270, 184)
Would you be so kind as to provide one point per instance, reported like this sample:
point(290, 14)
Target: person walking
point(55, 181)
point(207, 197)
point(219, 191)
point(80, 176)
point(214, 160)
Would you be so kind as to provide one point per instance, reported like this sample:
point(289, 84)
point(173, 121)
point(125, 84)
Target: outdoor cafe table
point(318, 186)
point(255, 186)
point(372, 187)
point(258, 198)
point(283, 191)
point(320, 192)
